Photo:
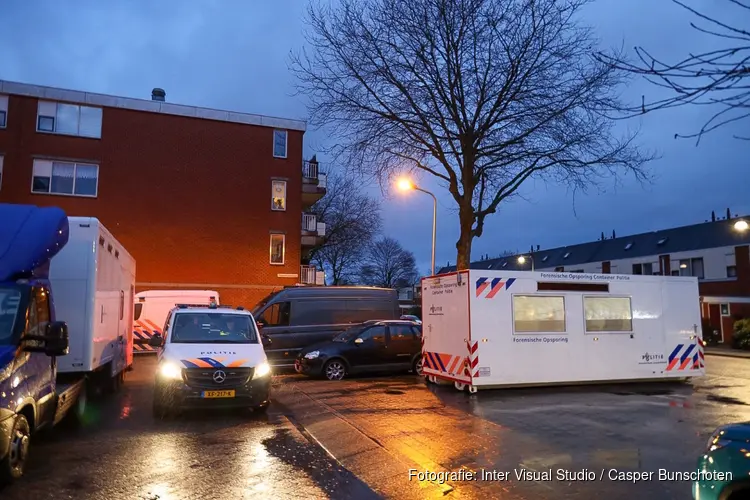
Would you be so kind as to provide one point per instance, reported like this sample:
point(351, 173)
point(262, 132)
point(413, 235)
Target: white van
point(210, 357)
point(151, 308)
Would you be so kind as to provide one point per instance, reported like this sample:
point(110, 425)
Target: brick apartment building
point(715, 251)
point(202, 198)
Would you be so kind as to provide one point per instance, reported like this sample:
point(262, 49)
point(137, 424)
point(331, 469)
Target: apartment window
point(608, 314)
point(538, 314)
point(724, 309)
point(57, 177)
point(692, 267)
point(3, 111)
point(278, 195)
point(69, 119)
point(646, 268)
point(731, 270)
point(277, 248)
point(279, 143)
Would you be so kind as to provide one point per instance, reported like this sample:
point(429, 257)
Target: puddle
point(394, 391)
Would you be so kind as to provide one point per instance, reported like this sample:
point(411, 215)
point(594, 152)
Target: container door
point(682, 322)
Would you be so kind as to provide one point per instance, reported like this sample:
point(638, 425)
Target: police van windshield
point(10, 300)
point(215, 328)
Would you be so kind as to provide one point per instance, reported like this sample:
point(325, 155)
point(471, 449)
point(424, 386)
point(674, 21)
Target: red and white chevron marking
point(472, 360)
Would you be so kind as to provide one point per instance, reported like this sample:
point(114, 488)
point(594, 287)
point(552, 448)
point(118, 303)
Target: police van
point(210, 357)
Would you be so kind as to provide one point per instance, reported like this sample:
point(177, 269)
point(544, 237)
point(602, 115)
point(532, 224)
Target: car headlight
point(312, 354)
point(261, 370)
point(170, 371)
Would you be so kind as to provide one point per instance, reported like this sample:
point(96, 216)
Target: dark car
point(374, 346)
point(297, 317)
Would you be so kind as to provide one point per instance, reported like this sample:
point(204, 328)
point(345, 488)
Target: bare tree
point(352, 220)
point(389, 265)
point(718, 77)
point(481, 94)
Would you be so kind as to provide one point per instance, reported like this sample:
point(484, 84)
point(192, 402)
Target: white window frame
point(3, 110)
point(616, 332)
point(539, 296)
point(286, 142)
point(274, 183)
point(40, 164)
point(2, 160)
point(45, 108)
point(283, 249)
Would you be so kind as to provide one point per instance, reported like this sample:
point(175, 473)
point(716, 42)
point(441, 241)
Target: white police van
point(210, 356)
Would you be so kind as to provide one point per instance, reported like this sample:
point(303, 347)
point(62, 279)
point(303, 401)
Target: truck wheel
point(114, 384)
point(12, 465)
point(334, 369)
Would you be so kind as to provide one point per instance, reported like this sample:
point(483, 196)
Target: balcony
point(313, 231)
point(309, 275)
point(313, 182)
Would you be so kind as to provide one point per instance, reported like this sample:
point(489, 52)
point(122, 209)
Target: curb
point(354, 450)
point(727, 354)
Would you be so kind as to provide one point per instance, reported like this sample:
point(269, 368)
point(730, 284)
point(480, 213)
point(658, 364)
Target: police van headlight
point(262, 370)
point(170, 371)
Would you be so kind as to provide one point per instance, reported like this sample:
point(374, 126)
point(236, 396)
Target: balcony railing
point(309, 275)
point(310, 169)
point(310, 224)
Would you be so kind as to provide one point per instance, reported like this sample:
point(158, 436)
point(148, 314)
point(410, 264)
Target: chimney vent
point(713, 216)
point(158, 95)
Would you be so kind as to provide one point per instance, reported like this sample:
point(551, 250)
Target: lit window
point(538, 314)
point(692, 267)
point(69, 119)
point(278, 195)
point(731, 270)
point(57, 177)
point(279, 143)
point(3, 111)
point(277, 248)
point(608, 314)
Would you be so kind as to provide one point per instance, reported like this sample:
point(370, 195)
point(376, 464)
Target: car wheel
point(416, 367)
point(334, 369)
point(12, 465)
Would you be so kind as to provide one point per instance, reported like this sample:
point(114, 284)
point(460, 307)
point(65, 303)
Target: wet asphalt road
point(123, 453)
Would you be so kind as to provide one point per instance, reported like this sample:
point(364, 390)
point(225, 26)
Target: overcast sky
point(234, 55)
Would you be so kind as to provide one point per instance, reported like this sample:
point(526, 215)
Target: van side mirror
point(156, 341)
point(266, 340)
point(54, 342)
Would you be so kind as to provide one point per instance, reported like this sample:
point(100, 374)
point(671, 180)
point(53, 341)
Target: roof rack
point(209, 306)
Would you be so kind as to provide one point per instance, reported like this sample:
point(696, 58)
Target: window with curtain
point(60, 177)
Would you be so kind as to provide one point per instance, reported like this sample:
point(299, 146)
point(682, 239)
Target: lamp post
point(407, 185)
point(522, 260)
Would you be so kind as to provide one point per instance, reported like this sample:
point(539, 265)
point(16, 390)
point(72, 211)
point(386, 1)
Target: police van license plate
point(217, 394)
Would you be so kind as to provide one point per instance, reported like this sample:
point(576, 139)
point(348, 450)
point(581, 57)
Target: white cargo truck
point(93, 277)
point(484, 329)
point(152, 307)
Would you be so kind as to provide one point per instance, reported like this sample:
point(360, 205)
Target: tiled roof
point(150, 106)
point(720, 233)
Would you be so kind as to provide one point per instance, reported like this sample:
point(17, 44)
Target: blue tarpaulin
point(29, 237)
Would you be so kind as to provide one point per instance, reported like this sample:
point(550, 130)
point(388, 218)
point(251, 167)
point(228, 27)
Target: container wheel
point(459, 386)
point(473, 389)
point(14, 462)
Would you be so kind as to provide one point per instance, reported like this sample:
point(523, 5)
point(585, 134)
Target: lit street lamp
point(522, 260)
point(741, 226)
point(407, 185)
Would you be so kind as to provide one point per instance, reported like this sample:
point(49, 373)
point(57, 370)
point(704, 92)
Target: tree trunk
point(463, 245)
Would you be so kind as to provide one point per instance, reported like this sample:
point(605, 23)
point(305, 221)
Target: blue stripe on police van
point(676, 351)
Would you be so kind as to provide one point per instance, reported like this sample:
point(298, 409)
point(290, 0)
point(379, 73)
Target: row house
point(715, 252)
point(202, 198)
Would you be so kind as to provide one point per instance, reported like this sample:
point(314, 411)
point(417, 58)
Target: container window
point(137, 311)
point(608, 314)
point(538, 314)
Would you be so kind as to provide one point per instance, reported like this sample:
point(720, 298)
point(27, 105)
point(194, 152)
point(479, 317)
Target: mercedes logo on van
point(219, 376)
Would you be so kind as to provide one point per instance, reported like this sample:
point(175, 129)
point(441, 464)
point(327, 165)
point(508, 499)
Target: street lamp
point(741, 226)
point(407, 185)
point(522, 260)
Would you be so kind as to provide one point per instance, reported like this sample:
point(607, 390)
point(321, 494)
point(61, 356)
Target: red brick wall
point(189, 198)
point(739, 287)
